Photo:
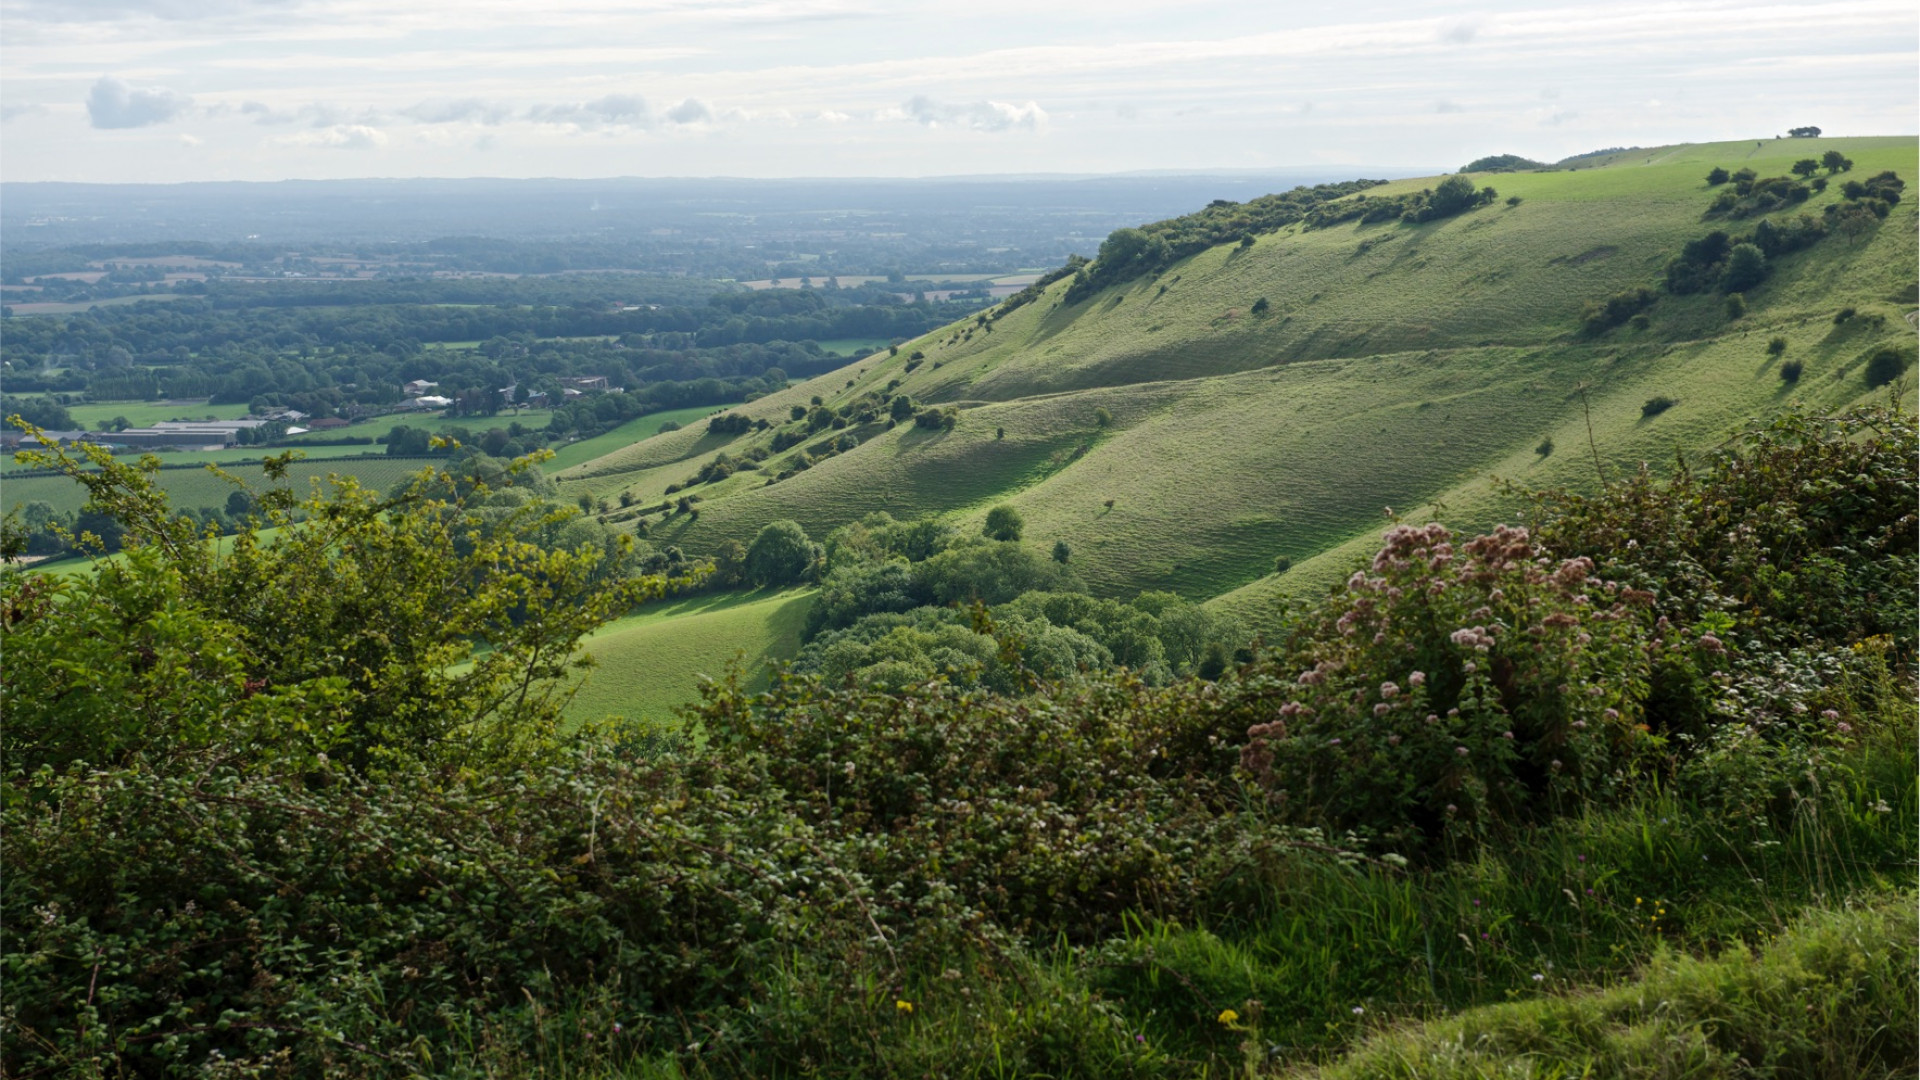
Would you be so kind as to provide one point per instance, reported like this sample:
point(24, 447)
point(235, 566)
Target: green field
point(146, 413)
point(650, 663)
point(192, 488)
point(379, 426)
point(854, 346)
point(579, 453)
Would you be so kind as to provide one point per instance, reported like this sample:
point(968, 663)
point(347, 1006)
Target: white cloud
point(115, 104)
point(338, 137)
point(690, 111)
point(614, 110)
point(190, 141)
point(972, 116)
point(14, 112)
point(462, 111)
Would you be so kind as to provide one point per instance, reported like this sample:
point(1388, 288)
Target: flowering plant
point(1449, 689)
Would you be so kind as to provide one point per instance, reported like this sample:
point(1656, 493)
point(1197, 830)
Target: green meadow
point(651, 663)
point(146, 413)
point(192, 488)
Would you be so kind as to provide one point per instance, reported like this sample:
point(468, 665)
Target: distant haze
point(1000, 222)
point(178, 90)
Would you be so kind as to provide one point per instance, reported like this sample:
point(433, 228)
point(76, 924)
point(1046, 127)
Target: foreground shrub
point(1449, 692)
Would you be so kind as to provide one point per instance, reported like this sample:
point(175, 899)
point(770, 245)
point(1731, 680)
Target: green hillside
point(650, 663)
point(1390, 365)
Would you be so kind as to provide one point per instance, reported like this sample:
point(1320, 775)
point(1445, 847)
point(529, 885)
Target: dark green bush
point(1656, 405)
point(1618, 308)
point(1887, 363)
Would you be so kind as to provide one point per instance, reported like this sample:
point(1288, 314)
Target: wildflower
point(1333, 742)
point(1829, 714)
point(616, 1027)
point(1382, 709)
point(1418, 678)
point(1537, 977)
point(1357, 1010)
point(1843, 728)
point(904, 1006)
point(1228, 1017)
point(1389, 690)
point(1460, 750)
point(1506, 734)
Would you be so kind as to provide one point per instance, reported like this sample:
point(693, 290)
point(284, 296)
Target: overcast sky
point(170, 90)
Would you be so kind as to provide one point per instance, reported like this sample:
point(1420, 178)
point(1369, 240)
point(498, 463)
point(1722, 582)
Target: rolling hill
point(1185, 429)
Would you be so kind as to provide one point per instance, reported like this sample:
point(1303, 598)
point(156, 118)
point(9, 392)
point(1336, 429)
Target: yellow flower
point(1228, 1016)
point(904, 1006)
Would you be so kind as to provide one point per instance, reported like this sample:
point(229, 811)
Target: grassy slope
point(1398, 375)
point(651, 662)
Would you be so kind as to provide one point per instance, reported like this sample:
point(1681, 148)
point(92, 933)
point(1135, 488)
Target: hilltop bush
point(1503, 163)
point(1130, 253)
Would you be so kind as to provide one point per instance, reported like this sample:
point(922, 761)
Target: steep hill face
point(1183, 429)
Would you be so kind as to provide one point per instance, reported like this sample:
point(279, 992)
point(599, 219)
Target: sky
point(179, 90)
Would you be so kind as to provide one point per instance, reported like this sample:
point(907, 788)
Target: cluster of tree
point(1454, 195)
point(1504, 163)
point(357, 350)
point(904, 602)
point(1131, 253)
point(1734, 264)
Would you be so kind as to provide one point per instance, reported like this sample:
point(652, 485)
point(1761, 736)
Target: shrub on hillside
point(1746, 267)
point(1004, 523)
point(1451, 692)
point(1656, 405)
point(1598, 318)
point(1887, 363)
point(1790, 371)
